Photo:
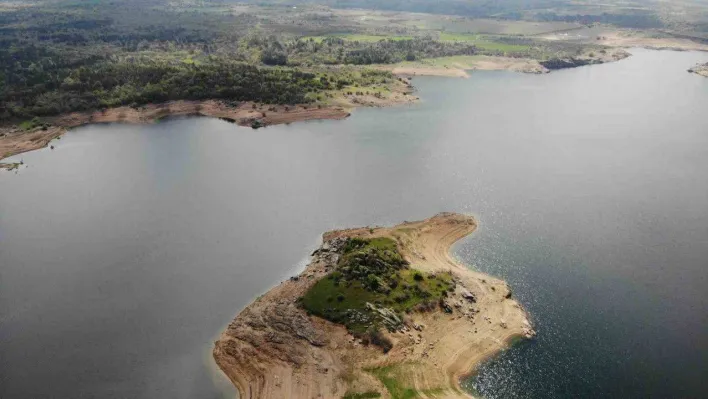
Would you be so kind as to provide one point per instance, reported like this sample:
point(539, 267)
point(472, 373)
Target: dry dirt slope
point(272, 349)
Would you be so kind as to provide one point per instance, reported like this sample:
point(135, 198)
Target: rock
point(445, 306)
point(468, 295)
point(387, 316)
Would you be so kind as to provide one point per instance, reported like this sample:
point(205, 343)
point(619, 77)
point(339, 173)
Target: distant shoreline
point(295, 355)
point(14, 140)
point(458, 66)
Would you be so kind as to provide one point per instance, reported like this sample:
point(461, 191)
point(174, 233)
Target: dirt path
point(273, 349)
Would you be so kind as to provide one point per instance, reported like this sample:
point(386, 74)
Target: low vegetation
point(395, 376)
point(57, 57)
point(61, 56)
point(372, 287)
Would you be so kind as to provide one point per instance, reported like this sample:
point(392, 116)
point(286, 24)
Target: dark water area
point(126, 250)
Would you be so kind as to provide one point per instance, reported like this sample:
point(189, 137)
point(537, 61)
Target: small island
point(700, 69)
point(379, 312)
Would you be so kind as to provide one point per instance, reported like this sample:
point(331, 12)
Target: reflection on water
point(126, 249)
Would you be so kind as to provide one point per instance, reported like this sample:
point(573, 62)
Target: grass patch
point(30, 124)
point(373, 271)
point(392, 377)
point(352, 37)
point(393, 385)
point(483, 42)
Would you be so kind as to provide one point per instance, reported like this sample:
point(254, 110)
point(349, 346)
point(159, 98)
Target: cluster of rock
point(589, 59)
point(329, 250)
point(700, 69)
point(563, 63)
point(270, 329)
point(386, 316)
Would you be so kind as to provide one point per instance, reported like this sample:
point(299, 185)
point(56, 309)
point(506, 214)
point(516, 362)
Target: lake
point(127, 249)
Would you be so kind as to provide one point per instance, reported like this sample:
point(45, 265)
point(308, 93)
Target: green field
point(483, 42)
point(394, 378)
point(373, 271)
point(357, 38)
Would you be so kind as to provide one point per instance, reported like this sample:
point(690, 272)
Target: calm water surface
point(126, 250)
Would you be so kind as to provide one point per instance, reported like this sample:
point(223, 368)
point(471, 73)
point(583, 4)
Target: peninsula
point(700, 69)
point(379, 312)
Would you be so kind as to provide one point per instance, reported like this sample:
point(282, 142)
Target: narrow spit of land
point(454, 318)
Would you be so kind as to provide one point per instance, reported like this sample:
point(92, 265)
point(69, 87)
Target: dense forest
point(76, 56)
point(334, 50)
point(58, 56)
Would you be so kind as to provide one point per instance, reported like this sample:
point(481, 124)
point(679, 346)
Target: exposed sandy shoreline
point(630, 39)
point(272, 349)
point(14, 140)
point(459, 66)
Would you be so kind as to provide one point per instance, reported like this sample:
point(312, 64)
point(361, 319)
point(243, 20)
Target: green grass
point(358, 38)
point(390, 377)
point(31, 124)
point(483, 42)
point(26, 125)
point(393, 385)
point(372, 271)
point(331, 301)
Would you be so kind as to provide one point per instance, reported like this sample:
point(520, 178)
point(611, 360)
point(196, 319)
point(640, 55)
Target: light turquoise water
point(125, 250)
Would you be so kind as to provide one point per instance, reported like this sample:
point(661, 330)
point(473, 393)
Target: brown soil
point(637, 39)
point(398, 93)
point(524, 65)
point(430, 71)
point(272, 349)
point(460, 67)
point(14, 140)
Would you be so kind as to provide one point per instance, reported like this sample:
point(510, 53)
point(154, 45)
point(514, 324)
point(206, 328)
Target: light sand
point(458, 66)
point(637, 39)
point(272, 349)
point(429, 71)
